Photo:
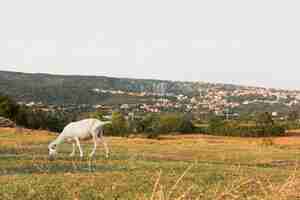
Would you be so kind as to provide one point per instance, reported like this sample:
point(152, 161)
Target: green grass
point(219, 168)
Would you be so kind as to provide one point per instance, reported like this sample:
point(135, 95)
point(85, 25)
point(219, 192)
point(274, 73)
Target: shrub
point(186, 124)
point(119, 125)
point(8, 108)
point(169, 123)
point(180, 123)
point(227, 128)
point(37, 119)
point(153, 125)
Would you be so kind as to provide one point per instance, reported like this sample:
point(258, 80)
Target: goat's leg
point(79, 147)
point(95, 146)
point(105, 146)
point(74, 149)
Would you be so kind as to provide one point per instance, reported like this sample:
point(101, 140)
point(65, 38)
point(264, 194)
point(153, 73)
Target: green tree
point(21, 118)
point(293, 115)
point(119, 124)
point(264, 119)
point(216, 124)
point(149, 123)
point(8, 108)
point(186, 124)
point(98, 115)
point(169, 123)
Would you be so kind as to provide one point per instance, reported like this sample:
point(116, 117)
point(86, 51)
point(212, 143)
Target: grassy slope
point(220, 168)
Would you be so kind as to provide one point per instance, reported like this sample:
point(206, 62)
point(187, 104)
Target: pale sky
point(253, 42)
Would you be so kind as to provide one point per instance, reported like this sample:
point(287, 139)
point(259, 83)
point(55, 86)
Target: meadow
point(172, 167)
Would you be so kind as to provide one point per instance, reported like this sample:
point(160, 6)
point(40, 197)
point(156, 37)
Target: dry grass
point(175, 167)
point(261, 188)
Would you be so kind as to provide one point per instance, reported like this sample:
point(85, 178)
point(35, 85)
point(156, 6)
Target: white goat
point(75, 131)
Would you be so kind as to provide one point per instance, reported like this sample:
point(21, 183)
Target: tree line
point(34, 118)
point(262, 126)
point(152, 125)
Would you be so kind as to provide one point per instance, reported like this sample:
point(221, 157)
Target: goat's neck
point(58, 140)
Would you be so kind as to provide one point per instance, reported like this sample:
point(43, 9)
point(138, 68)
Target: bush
point(153, 125)
point(36, 119)
point(186, 124)
point(227, 128)
point(169, 123)
point(119, 125)
point(97, 115)
point(148, 125)
point(8, 108)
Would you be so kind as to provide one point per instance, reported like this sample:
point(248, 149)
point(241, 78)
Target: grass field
point(174, 167)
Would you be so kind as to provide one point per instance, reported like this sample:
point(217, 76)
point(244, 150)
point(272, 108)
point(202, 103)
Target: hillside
point(62, 89)
point(93, 90)
point(58, 89)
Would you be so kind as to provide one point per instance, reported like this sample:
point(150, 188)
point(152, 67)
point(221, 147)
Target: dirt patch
point(215, 141)
point(290, 140)
point(282, 163)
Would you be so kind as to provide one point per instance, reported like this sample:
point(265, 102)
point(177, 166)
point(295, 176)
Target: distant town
point(212, 99)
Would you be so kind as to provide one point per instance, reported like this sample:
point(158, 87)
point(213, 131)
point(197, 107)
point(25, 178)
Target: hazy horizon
point(244, 43)
point(145, 78)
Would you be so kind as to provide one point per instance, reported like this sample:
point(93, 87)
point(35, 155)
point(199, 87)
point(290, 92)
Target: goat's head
point(52, 151)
